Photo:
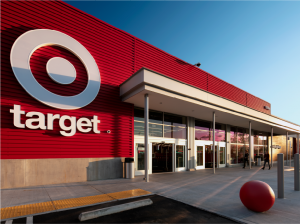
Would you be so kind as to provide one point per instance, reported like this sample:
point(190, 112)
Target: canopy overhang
point(172, 96)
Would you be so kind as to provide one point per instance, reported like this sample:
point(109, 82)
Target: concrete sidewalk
point(217, 193)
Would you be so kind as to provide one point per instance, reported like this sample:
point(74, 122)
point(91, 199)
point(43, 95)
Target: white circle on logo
point(61, 70)
point(20, 56)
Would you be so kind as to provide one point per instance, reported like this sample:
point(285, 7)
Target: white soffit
point(169, 95)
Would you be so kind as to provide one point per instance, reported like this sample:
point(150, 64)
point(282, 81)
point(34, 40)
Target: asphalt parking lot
point(163, 210)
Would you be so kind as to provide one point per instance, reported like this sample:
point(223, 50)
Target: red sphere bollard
point(257, 196)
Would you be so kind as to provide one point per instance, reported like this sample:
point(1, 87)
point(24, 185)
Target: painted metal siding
point(117, 54)
point(115, 62)
point(257, 103)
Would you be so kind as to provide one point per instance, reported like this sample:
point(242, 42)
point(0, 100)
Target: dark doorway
point(162, 157)
point(209, 156)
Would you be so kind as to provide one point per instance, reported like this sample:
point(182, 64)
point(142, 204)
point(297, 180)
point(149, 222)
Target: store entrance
point(209, 156)
point(162, 157)
point(204, 154)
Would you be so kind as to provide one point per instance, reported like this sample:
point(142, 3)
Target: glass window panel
point(139, 128)
point(220, 127)
point(155, 130)
point(179, 132)
point(241, 153)
point(233, 136)
point(246, 137)
point(199, 155)
point(247, 149)
point(261, 152)
point(202, 133)
point(138, 114)
point(155, 117)
point(222, 155)
point(219, 132)
point(240, 136)
point(171, 119)
point(262, 140)
point(180, 156)
point(233, 154)
point(209, 156)
point(265, 140)
point(140, 150)
point(167, 131)
point(255, 151)
point(255, 139)
point(220, 135)
point(202, 124)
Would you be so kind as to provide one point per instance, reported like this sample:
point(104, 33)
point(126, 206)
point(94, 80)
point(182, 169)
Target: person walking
point(267, 160)
point(246, 159)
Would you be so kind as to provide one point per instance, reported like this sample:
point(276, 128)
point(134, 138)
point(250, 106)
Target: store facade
point(73, 102)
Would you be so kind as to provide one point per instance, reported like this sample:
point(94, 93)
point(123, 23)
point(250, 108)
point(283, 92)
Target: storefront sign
point(59, 69)
point(39, 122)
point(61, 72)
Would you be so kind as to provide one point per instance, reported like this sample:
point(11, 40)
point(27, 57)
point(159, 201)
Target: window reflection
point(204, 131)
point(180, 158)
point(199, 155)
point(233, 135)
point(220, 135)
point(139, 128)
point(174, 120)
point(155, 130)
point(160, 124)
point(140, 152)
point(222, 155)
point(233, 154)
point(239, 138)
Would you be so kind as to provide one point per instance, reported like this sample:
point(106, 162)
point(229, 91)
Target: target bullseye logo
point(60, 70)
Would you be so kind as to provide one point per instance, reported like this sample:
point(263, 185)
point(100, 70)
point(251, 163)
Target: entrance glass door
point(140, 159)
point(209, 156)
point(222, 154)
point(200, 156)
point(162, 156)
point(204, 154)
point(180, 157)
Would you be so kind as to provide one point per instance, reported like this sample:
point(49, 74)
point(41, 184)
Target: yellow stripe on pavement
point(22, 210)
point(76, 202)
point(29, 209)
point(129, 194)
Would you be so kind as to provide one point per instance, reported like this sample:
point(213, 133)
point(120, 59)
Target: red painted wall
point(117, 54)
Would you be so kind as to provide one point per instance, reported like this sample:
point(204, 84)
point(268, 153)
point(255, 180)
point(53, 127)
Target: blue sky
point(252, 45)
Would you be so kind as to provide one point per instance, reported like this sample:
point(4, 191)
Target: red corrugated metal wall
point(117, 54)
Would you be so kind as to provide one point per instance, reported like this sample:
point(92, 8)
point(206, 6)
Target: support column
point(146, 137)
point(250, 145)
point(280, 175)
point(228, 149)
point(290, 154)
point(191, 161)
point(296, 172)
point(297, 150)
point(214, 151)
point(271, 146)
point(287, 145)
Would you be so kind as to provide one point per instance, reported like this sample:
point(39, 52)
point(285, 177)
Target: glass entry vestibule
point(163, 157)
point(167, 142)
point(204, 154)
point(204, 145)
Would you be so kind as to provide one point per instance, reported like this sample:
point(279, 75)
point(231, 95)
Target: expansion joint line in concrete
point(57, 205)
